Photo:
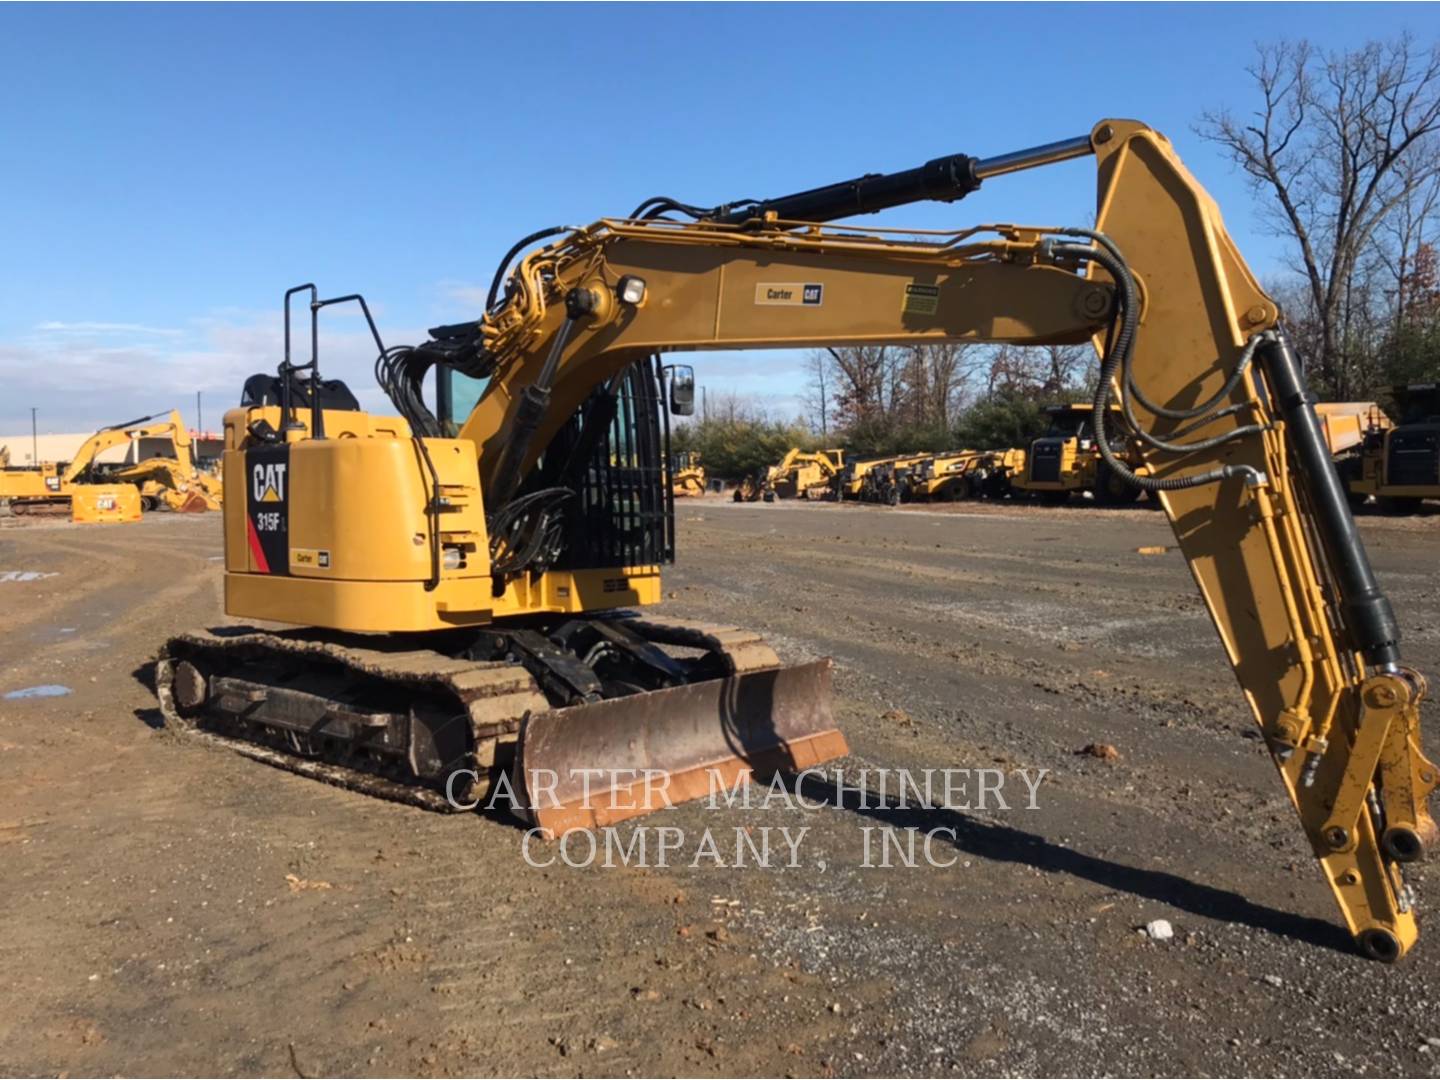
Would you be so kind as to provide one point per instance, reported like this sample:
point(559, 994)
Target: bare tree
point(1067, 368)
point(815, 399)
point(1340, 140)
point(1407, 235)
point(863, 382)
point(947, 367)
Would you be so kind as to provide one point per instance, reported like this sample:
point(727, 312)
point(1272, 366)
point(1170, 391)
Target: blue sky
point(167, 171)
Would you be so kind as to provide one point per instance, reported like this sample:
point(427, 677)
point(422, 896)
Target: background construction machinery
point(805, 474)
point(1398, 464)
point(90, 490)
point(687, 475)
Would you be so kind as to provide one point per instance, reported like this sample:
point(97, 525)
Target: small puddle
point(7, 576)
point(48, 690)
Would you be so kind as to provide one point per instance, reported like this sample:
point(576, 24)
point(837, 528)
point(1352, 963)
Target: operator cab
point(1414, 447)
point(1072, 422)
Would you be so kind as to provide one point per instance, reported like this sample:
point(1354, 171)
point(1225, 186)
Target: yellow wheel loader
point(466, 586)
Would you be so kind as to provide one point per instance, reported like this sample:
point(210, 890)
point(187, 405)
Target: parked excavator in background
point(27, 481)
point(1399, 464)
point(804, 474)
point(171, 481)
point(463, 583)
point(687, 475)
point(167, 483)
point(93, 491)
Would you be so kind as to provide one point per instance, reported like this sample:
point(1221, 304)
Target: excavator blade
point(588, 766)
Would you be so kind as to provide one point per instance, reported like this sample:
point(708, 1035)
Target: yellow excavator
point(803, 474)
point(92, 491)
point(165, 482)
point(47, 490)
point(463, 582)
point(40, 481)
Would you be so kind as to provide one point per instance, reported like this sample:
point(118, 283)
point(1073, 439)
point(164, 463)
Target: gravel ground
point(173, 909)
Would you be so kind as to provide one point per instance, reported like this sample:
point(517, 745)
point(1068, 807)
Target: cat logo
point(267, 482)
point(789, 294)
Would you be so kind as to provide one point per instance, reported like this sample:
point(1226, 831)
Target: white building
point(63, 447)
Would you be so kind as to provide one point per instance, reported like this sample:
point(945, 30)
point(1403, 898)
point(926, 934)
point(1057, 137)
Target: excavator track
point(417, 725)
point(300, 702)
point(40, 508)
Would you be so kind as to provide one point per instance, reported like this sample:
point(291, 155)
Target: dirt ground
point(172, 908)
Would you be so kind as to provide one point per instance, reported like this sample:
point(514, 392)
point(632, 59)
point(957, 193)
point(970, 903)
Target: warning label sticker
point(921, 299)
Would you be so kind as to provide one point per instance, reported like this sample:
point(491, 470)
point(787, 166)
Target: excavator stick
point(590, 766)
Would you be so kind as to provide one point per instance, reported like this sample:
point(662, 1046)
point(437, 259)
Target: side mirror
point(682, 389)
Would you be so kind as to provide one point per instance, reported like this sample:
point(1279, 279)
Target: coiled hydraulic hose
point(1118, 355)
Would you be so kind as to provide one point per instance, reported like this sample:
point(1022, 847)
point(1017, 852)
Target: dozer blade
point(588, 766)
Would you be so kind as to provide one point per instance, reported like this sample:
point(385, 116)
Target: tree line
point(879, 400)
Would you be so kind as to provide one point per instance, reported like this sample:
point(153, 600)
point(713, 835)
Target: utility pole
point(34, 439)
point(704, 406)
point(199, 415)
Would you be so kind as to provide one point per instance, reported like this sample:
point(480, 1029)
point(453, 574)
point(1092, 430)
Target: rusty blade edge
point(696, 737)
point(622, 802)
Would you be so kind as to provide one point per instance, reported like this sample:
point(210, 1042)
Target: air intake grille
point(1045, 460)
point(1414, 458)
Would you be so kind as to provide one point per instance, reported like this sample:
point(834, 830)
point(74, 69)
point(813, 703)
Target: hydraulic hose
point(1117, 358)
